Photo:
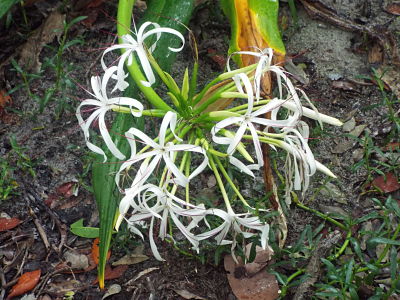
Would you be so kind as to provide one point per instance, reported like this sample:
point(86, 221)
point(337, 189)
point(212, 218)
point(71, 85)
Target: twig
point(3, 284)
point(40, 229)
point(62, 229)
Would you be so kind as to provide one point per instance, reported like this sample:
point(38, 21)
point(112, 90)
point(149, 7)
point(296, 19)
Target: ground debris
point(30, 51)
point(314, 265)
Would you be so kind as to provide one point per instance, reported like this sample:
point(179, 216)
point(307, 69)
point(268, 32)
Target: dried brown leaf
point(51, 28)
point(131, 259)
point(388, 183)
point(188, 295)
point(262, 286)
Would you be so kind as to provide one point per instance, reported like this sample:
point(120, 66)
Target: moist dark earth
point(51, 159)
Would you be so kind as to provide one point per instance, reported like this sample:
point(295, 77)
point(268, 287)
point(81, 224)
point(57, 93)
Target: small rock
point(349, 125)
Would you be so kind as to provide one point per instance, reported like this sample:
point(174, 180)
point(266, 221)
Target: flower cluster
point(183, 148)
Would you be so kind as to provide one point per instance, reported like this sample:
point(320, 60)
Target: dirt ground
point(332, 66)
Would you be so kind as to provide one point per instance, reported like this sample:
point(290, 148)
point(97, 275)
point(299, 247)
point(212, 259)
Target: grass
point(63, 85)
point(14, 161)
point(365, 263)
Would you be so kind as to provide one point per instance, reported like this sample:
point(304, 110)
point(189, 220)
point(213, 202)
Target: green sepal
point(173, 87)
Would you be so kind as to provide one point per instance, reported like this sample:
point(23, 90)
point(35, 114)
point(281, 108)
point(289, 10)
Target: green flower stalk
point(191, 140)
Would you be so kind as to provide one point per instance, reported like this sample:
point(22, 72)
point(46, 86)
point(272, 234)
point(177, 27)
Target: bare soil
point(57, 154)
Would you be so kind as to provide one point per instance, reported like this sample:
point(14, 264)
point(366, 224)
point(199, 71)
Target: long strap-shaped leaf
point(254, 26)
point(166, 13)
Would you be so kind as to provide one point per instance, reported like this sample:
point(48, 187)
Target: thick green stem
point(229, 180)
point(220, 184)
point(123, 27)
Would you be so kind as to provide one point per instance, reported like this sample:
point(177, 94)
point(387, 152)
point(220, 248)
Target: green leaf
point(78, 229)
point(393, 263)
point(185, 85)
point(74, 21)
point(173, 86)
point(349, 271)
point(106, 193)
point(379, 240)
point(5, 5)
point(393, 205)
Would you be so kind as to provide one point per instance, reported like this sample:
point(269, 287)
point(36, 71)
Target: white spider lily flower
point(245, 122)
point(302, 155)
point(237, 222)
point(103, 104)
point(131, 45)
point(153, 203)
point(263, 66)
point(162, 151)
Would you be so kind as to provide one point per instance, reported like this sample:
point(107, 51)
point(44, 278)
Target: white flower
point(265, 61)
point(237, 222)
point(157, 203)
point(104, 104)
point(302, 155)
point(161, 151)
point(131, 45)
point(245, 122)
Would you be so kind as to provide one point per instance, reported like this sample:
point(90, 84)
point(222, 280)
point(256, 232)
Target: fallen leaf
point(29, 297)
point(343, 85)
point(393, 8)
point(51, 28)
point(131, 259)
point(60, 288)
point(390, 75)
point(113, 273)
point(220, 60)
point(297, 71)
point(66, 189)
point(9, 223)
point(96, 251)
point(25, 283)
point(343, 146)
point(260, 261)
point(76, 260)
point(4, 99)
point(142, 273)
point(376, 54)
point(358, 130)
point(349, 125)
point(262, 286)
point(188, 295)
point(44, 297)
point(388, 183)
point(392, 147)
point(112, 290)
